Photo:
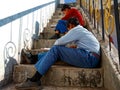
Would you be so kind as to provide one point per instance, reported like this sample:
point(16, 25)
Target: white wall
point(10, 7)
point(16, 34)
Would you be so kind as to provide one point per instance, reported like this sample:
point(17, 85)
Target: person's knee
point(56, 47)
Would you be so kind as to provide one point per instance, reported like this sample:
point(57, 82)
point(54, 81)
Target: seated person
point(68, 13)
point(85, 55)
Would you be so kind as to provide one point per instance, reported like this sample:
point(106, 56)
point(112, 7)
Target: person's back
point(73, 12)
point(82, 38)
point(68, 12)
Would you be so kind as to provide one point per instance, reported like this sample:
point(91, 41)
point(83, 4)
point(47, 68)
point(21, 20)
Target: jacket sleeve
point(74, 13)
point(68, 15)
point(67, 38)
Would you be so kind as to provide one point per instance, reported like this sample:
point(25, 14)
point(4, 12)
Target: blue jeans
point(73, 56)
point(61, 26)
point(41, 55)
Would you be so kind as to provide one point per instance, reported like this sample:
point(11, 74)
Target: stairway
point(61, 76)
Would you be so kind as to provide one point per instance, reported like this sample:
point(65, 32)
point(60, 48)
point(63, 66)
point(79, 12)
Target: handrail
point(18, 15)
point(116, 11)
point(18, 30)
point(107, 18)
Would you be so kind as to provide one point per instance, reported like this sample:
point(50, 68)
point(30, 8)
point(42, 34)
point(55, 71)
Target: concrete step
point(12, 87)
point(49, 29)
point(58, 13)
point(69, 88)
point(65, 76)
point(43, 43)
point(46, 35)
point(35, 52)
point(57, 17)
point(54, 20)
point(52, 26)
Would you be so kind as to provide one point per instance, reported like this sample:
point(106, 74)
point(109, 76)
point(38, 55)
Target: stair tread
point(12, 87)
point(62, 75)
point(59, 66)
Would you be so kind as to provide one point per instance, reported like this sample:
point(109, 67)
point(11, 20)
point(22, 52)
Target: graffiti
point(84, 79)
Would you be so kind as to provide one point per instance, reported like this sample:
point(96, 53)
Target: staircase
point(61, 76)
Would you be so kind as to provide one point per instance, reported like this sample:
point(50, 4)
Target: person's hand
point(73, 46)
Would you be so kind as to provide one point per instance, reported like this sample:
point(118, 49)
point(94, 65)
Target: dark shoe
point(56, 36)
point(28, 58)
point(28, 84)
point(27, 55)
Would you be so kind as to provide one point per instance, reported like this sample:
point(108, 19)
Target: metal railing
point(16, 33)
point(104, 14)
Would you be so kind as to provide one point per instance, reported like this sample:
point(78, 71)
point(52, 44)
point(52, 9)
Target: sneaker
point(28, 84)
point(56, 36)
point(27, 56)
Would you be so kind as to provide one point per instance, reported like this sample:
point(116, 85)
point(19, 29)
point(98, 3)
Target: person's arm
point(68, 15)
point(73, 46)
point(74, 13)
point(80, 18)
point(78, 15)
point(67, 38)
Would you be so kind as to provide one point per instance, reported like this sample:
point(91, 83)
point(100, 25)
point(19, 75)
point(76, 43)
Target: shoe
point(26, 56)
point(28, 84)
point(56, 36)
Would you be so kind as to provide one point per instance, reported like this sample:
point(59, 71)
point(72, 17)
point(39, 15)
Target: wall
point(20, 22)
point(111, 68)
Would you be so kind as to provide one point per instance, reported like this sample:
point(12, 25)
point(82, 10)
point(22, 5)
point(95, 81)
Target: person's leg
point(34, 58)
point(29, 58)
point(35, 79)
point(41, 55)
point(76, 57)
point(60, 28)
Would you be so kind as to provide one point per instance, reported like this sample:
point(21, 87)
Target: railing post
point(94, 14)
point(86, 6)
point(89, 10)
point(117, 23)
point(102, 15)
point(80, 4)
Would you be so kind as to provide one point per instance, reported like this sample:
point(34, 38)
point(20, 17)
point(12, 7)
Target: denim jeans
point(73, 56)
point(61, 26)
point(41, 55)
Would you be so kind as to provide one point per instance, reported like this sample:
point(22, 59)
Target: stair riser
point(49, 31)
point(53, 21)
point(46, 35)
point(43, 43)
point(63, 76)
point(73, 77)
point(58, 14)
point(57, 17)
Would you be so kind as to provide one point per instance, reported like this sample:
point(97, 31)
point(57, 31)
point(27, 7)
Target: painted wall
point(20, 22)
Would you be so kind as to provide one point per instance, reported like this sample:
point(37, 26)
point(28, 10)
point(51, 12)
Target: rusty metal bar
point(117, 23)
point(102, 16)
point(80, 3)
point(89, 11)
point(94, 14)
